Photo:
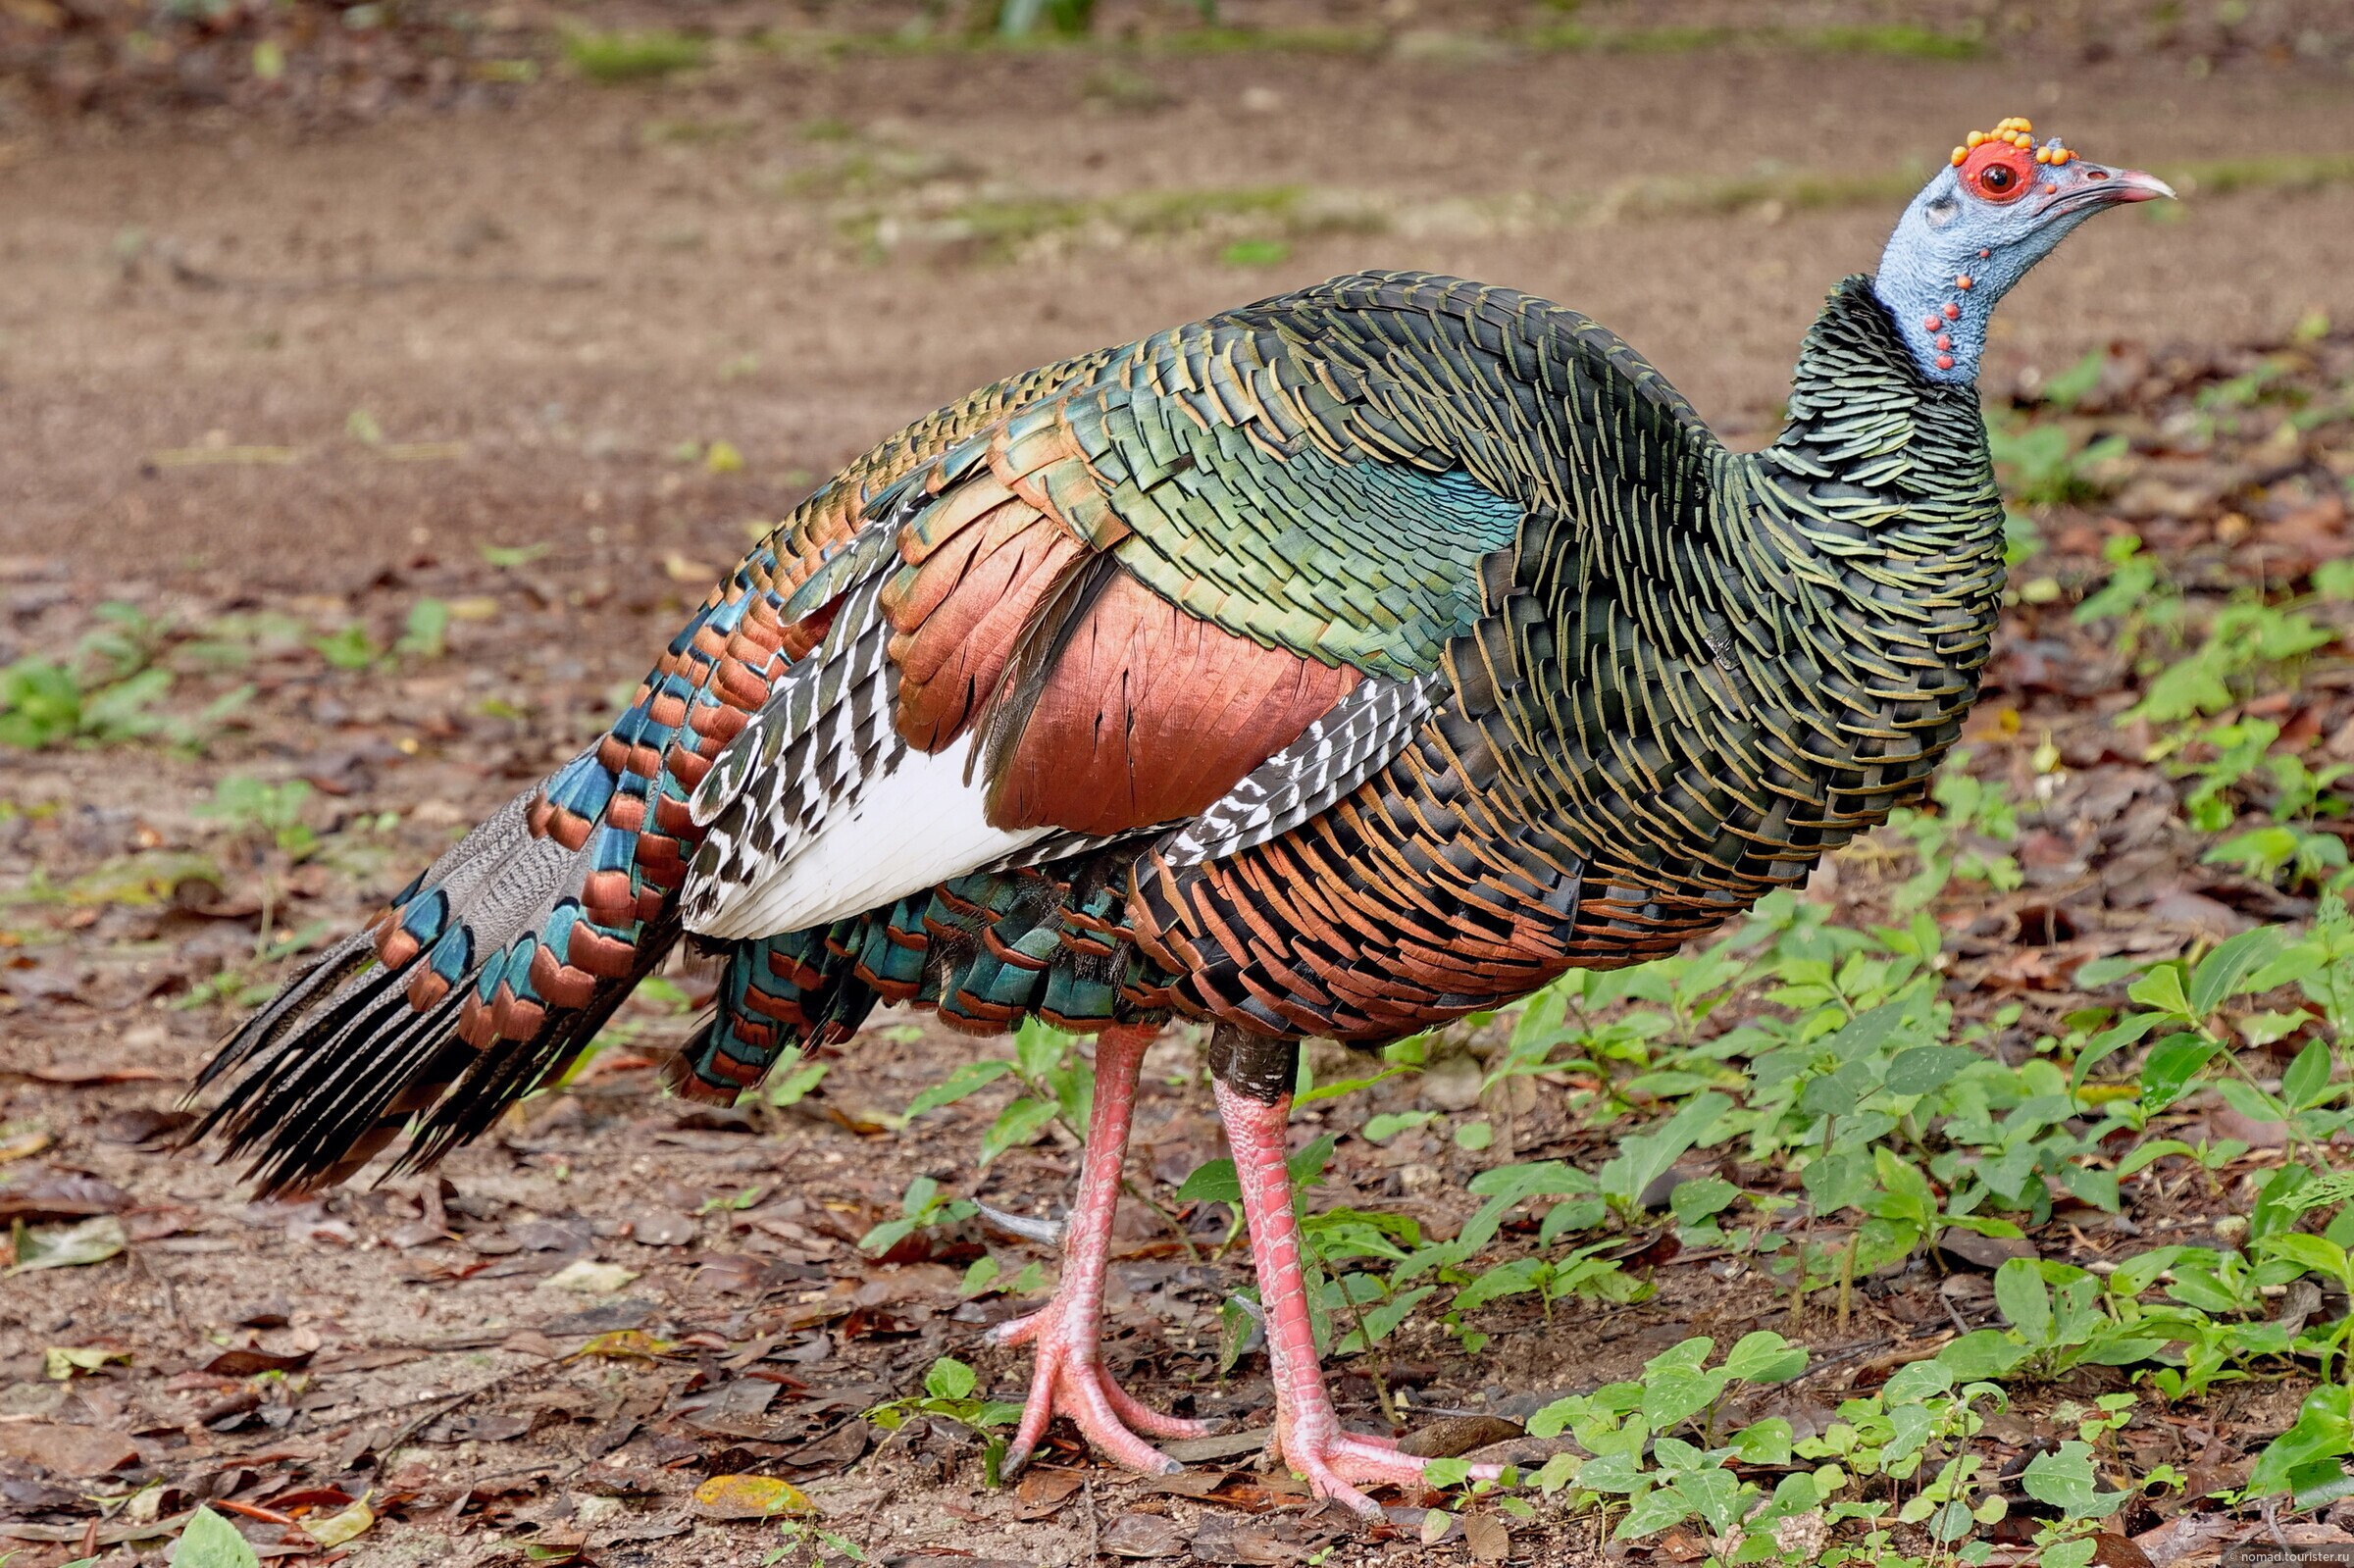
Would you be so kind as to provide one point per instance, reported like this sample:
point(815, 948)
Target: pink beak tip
point(2133, 185)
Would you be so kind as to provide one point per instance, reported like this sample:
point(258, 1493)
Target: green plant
point(272, 813)
point(645, 56)
point(922, 1208)
point(109, 692)
point(2045, 465)
point(2060, 1318)
point(2139, 595)
point(2185, 1002)
point(950, 1392)
point(1621, 1424)
point(1057, 1085)
point(1968, 808)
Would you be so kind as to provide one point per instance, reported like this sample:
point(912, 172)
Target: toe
point(1017, 1331)
point(1144, 1418)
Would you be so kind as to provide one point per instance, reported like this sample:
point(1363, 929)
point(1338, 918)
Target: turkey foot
point(1308, 1432)
point(1069, 1378)
point(1071, 1381)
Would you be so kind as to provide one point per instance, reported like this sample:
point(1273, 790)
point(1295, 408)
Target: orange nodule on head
point(2000, 164)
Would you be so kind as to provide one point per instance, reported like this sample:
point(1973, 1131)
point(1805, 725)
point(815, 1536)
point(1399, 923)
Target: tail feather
point(488, 974)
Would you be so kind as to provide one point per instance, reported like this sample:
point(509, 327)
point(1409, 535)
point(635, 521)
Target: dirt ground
point(253, 367)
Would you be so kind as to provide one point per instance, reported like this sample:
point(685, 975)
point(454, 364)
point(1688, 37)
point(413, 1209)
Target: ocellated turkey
point(1331, 667)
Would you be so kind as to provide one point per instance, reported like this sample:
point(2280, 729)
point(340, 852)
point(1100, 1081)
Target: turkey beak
point(2098, 186)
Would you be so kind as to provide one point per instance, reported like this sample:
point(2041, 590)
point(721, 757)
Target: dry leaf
point(1487, 1536)
point(67, 1450)
point(1143, 1535)
point(341, 1525)
point(1043, 1491)
point(67, 1246)
point(587, 1276)
point(751, 1498)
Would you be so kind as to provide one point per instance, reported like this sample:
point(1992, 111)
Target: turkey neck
point(1743, 684)
point(1867, 543)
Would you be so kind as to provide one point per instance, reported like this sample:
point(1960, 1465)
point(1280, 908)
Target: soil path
point(573, 288)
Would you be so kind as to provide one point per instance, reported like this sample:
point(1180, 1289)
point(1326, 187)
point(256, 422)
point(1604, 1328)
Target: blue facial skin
point(1950, 233)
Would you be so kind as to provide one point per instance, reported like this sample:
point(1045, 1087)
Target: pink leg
point(1069, 1378)
point(1308, 1430)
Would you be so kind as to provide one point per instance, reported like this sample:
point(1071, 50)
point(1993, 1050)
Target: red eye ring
point(1997, 171)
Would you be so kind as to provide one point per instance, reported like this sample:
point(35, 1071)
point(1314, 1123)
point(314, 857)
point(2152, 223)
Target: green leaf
point(2162, 988)
point(1916, 1383)
point(1389, 1124)
point(1983, 1353)
point(1642, 1158)
point(2318, 1436)
point(2224, 973)
point(793, 1086)
point(1211, 1182)
point(2315, 1254)
point(885, 1236)
point(2099, 972)
point(1763, 1443)
point(1838, 1092)
point(1905, 1193)
point(1382, 1321)
point(1472, 1136)
point(1349, 1086)
point(211, 1542)
point(2063, 1479)
point(1926, 1069)
point(1764, 1357)
point(1696, 1200)
point(1674, 1394)
point(2171, 1065)
point(2306, 1084)
point(1018, 1124)
point(950, 1379)
point(1715, 1494)
point(1661, 1509)
point(1038, 1048)
point(2077, 1554)
point(2108, 1043)
point(1836, 1181)
point(1516, 1277)
point(2018, 1290)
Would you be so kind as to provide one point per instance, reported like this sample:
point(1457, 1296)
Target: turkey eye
point(1996, 180)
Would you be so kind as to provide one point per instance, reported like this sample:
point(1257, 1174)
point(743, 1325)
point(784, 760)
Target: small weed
point(2047, 464)
point(950, 1392)
point(619, 57)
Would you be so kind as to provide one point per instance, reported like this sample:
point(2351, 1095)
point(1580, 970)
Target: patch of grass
point(617, 57)
point(1001, 226)
point(2220, 177)
point(1255, 253)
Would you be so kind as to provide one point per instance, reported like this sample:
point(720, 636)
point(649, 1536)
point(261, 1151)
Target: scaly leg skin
point(1069, 1378)
point(1308, 1430)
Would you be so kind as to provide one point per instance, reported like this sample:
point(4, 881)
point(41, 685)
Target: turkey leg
point(1308, 1430)
point(1069, 1378)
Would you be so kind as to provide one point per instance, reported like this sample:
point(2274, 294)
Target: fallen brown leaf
point(1142, 1535)
point(67, 1450)
point(1487, 1536)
